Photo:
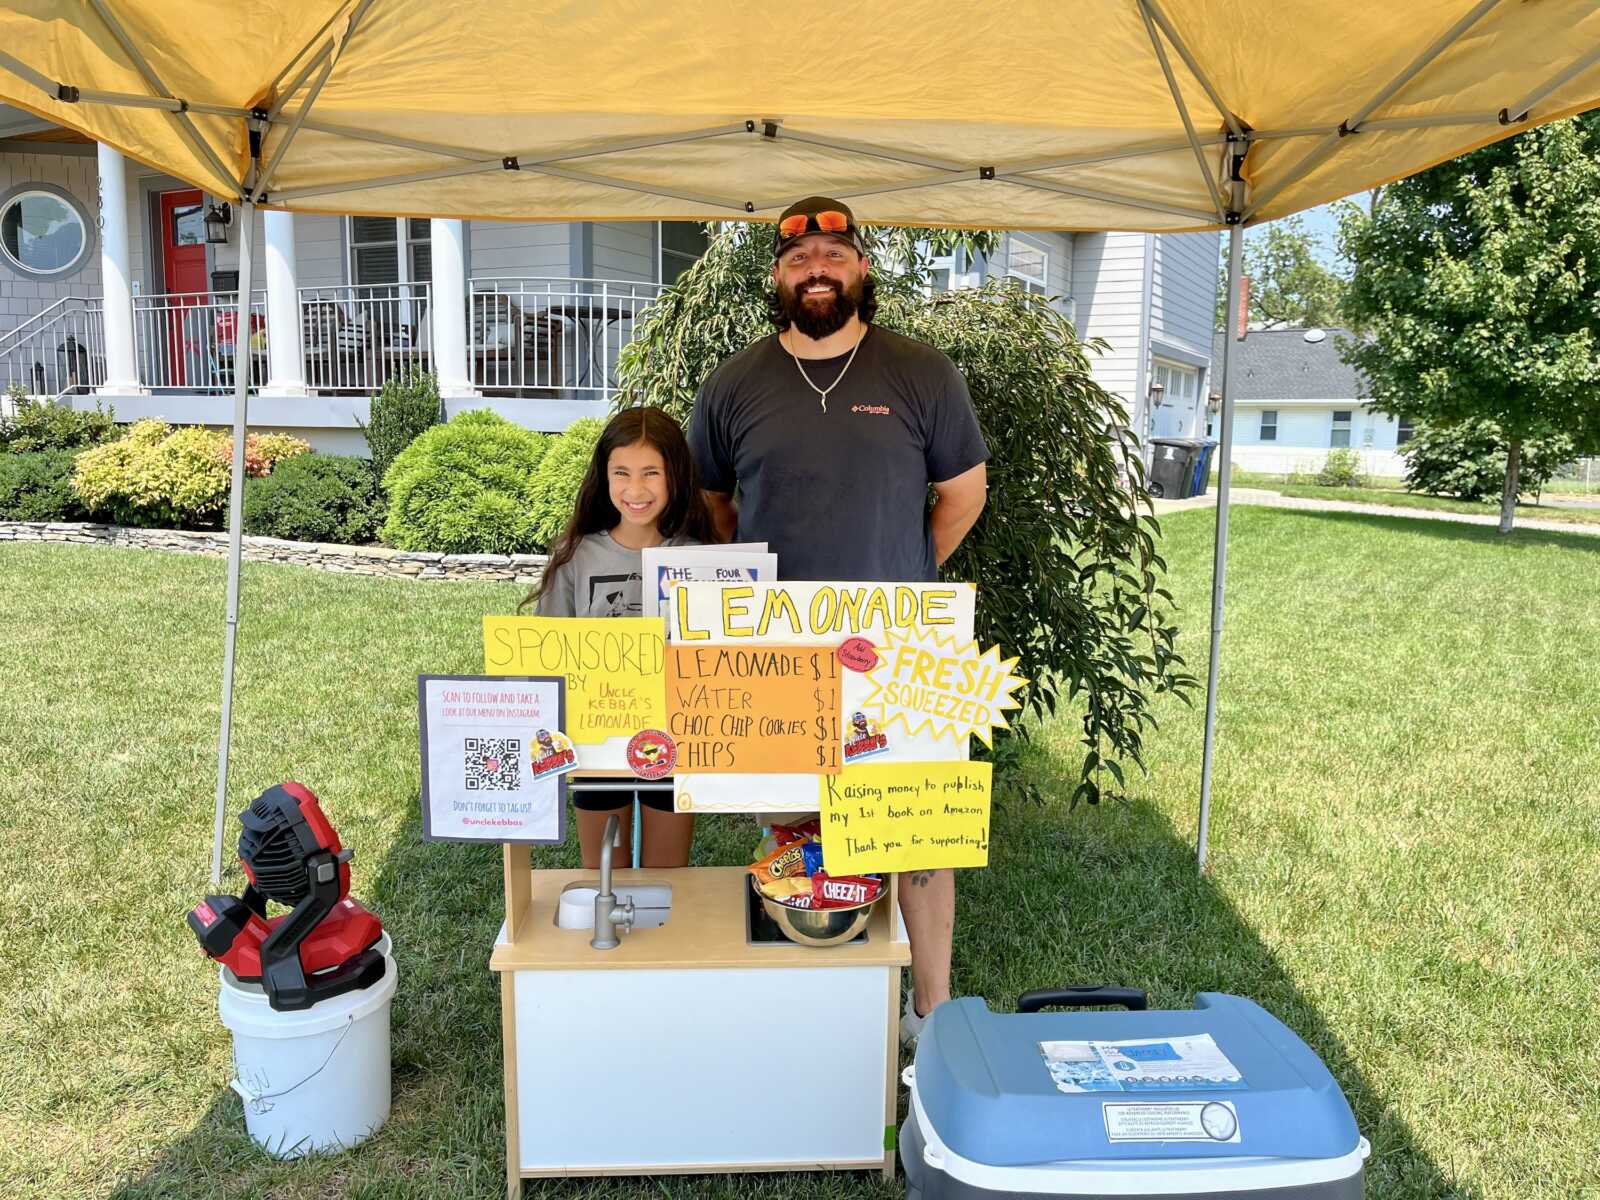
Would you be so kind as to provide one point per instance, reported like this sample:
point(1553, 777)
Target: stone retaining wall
point(352, 560)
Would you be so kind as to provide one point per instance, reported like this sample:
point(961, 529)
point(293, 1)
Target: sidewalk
point(1274, 500)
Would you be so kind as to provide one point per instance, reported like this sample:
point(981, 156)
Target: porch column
point(450, 308)
point(122, 373)
point(286, 359)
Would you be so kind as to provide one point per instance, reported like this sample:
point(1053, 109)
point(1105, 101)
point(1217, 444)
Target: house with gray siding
point(119, 285)
point(1295, 399)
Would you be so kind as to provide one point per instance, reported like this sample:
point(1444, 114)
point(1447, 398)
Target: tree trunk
point(1508, 499)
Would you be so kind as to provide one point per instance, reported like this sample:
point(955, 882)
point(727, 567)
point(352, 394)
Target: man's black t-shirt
point(840, 493)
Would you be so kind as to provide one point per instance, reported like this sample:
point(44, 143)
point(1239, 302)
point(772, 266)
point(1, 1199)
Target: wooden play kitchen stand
point(688, 1048)
point(706, 1040)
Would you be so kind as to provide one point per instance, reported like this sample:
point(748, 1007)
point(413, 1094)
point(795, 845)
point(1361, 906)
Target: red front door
point(183, 258)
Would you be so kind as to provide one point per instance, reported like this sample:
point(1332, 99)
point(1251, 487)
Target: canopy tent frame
point(1235, 204)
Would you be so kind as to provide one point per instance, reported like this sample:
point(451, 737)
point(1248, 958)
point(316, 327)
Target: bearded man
point(831, 432)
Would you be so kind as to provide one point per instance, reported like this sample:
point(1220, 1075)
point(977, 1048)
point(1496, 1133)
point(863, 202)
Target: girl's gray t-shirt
point(601, 579)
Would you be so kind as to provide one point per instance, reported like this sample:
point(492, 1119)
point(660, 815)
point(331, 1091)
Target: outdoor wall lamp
point(1213, 404)
point(218, 218)
point(1158, 393)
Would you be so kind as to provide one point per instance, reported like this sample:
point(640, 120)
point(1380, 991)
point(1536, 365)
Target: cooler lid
point(1225, 1079)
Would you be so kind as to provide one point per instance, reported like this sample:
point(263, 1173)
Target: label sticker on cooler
point(1177, 1121)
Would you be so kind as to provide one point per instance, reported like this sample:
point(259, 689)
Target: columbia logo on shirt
point(879, 410)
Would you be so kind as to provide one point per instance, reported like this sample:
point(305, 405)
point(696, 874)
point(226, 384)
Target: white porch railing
point(355, 336)
point(61, 349)
point(524, 335)
point(184, 340)
point(548, 334)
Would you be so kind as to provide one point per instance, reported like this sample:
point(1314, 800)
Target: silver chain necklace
point(823, 392)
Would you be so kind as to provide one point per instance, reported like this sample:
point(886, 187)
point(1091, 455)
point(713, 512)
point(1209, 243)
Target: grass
point(1391, 494)
point(1405, 851)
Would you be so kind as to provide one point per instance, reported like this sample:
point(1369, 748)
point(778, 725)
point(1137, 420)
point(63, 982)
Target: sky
point(1325, 227)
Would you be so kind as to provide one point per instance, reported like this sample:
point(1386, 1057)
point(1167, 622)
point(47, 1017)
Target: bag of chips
point(846, 891)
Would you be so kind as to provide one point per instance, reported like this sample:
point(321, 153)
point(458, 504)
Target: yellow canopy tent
point(1153, 115)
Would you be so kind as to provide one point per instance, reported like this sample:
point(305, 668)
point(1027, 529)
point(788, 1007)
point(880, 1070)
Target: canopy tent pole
point(1219, 568)
point(241, 414)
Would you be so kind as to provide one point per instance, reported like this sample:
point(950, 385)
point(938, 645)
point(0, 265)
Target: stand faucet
point(609, 916)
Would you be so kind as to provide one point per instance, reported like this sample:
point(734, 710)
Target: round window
point(44, 234)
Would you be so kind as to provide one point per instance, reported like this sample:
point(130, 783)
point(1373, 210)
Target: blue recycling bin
point(1202, 467)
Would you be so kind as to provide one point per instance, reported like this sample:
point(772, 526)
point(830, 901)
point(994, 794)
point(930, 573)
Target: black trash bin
point(1172, 463)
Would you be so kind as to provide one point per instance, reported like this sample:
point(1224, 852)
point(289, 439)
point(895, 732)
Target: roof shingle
point(1279, 364)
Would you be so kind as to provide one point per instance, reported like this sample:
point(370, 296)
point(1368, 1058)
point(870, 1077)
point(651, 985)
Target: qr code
point(493, 764)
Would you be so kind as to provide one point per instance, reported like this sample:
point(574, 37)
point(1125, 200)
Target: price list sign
point(754, 709)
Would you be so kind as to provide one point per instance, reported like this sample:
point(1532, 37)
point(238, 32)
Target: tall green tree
point(1477, 287)
point(1064, 554)
point(1289, 284)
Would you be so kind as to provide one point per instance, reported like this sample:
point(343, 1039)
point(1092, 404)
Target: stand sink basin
point(652, 902)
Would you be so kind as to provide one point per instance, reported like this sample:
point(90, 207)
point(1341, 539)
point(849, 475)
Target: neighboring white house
point(127, 300)
point(1295, 399)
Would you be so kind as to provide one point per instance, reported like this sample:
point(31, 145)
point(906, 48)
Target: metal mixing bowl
point(817, 926)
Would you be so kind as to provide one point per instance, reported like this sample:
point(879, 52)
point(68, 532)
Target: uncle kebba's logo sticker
point(652, 754)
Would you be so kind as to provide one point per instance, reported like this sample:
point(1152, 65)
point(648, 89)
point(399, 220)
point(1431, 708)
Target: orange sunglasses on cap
point(831, 221)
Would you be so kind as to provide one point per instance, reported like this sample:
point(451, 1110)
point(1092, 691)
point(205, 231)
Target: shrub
point(1468, 461)
point(38, 487)
point(264, 451)
point(165, 477)
point(406, 408)
point(1064, 556)
point(315, 498)
point(465, 487)
point(42, 425)
point(1342, 468)
point(555, 487)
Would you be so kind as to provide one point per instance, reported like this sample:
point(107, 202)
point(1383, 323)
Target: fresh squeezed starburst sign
point(927, 681)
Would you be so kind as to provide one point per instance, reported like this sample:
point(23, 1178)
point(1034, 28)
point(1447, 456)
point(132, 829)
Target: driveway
point(1274, 500)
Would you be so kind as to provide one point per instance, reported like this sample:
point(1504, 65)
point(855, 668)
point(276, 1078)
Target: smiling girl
point(640, 490)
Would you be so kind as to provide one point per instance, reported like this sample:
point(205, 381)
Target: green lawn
point(1390, 492)
point(1405, 855)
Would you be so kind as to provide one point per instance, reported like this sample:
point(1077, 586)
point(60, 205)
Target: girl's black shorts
point(658, 799)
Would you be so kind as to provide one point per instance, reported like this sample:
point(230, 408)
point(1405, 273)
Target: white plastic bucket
point(317, 1079)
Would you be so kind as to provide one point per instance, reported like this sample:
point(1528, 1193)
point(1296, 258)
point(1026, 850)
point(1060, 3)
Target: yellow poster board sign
point(615, 668)
point(768, 709)
point(905, 816)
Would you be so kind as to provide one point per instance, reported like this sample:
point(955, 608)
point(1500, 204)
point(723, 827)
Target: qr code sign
point(493, 764)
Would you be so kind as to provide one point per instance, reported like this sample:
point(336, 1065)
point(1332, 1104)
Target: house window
point(376, 253)
point(1269, 424)
point(1340, 435)
point(682, 244)
point(1028, 265)
point(1405, 433)
point(941, 274)
point(44, 231)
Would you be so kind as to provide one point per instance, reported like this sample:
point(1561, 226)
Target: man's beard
point(819, 318)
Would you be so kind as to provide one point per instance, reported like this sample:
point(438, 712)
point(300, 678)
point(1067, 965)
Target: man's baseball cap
point(816, 214)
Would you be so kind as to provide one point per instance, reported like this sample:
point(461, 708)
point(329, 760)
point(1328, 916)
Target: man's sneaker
point(910, 1023)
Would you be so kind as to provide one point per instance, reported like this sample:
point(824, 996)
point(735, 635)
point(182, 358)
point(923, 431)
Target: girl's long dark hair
point(685, 514)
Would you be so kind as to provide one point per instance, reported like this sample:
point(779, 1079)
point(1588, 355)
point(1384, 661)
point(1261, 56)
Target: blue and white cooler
point(1221, 1100)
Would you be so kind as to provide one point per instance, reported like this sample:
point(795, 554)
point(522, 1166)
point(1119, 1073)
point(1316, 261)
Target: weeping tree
point(1064, 554)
